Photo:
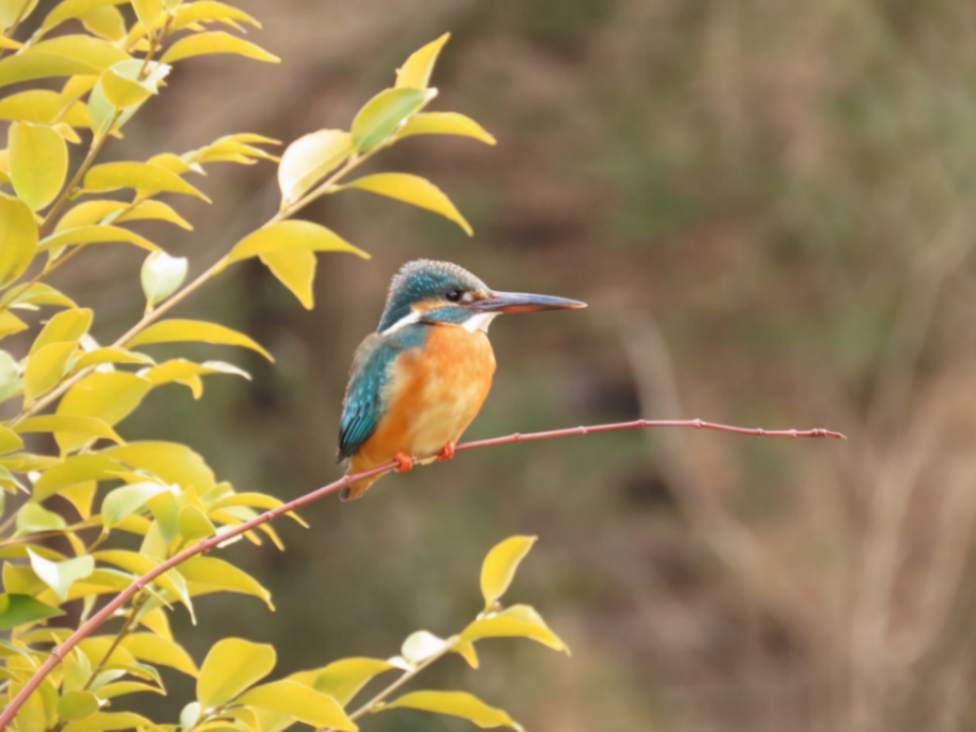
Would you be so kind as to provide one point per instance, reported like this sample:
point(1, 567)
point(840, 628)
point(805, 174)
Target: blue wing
point(365, 401)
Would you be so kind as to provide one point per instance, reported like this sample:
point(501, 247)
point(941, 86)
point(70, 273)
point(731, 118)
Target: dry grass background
point(768, 206)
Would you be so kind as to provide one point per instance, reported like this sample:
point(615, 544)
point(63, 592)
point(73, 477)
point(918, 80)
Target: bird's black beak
point(523, 302)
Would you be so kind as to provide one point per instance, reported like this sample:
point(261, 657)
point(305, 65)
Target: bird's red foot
point(404, 463)
point(446, 453)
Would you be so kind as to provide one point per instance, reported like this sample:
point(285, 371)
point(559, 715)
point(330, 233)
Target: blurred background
point(768, 206)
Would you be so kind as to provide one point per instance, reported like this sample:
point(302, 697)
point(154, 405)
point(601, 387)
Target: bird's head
point(426, 291)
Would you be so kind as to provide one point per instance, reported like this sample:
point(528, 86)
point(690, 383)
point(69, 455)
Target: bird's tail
point(357, 490)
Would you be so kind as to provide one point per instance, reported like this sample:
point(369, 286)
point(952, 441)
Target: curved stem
point(201, 547)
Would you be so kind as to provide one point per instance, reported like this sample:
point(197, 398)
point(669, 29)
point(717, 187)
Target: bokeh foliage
point(95, 511)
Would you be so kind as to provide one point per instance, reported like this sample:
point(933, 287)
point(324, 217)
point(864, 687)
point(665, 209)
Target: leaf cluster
point(93, 511)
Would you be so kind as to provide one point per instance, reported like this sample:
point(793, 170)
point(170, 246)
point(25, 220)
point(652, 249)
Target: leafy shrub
point(107, 59)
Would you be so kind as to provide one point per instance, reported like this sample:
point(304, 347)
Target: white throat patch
point(481, 321)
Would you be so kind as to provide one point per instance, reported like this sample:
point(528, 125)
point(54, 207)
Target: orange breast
point(434, 395)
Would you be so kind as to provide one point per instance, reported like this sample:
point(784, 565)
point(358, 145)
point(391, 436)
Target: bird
point(420, 379)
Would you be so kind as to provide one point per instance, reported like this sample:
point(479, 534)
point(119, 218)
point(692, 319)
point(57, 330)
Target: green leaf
point(162, 275)
point(159, 651)
point(456, 704)
point(416, 70)
point(383, 115)
point(344, 678)
point(216, 42)
point(309, 158)
point(18, 238)
point(95, 234)
point(210, 574)
point(300, 702)
point(290, 235)
point(518, 621)
point(45, 368)
point(500, 564)
point(296, 271)
point(9, 440)
point(123, 502)
point(22, 609)
point(69, 325)
point(233, 665)
point(77, 705)
point(445, 123)
point(38, 163)
point(147, 179)
point(414, 190)
point(59, 576)
point(87, 427)
point(33, 517)
point(178, 331)
point(111, 397)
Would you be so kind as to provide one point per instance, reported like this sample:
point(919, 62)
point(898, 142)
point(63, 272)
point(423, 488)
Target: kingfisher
point(418, 381)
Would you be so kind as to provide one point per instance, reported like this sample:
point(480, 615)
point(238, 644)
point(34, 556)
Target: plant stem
point(123, 632)
point(98, 142)
point(96, 620)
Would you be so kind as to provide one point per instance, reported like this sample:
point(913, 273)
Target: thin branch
point(89, 626)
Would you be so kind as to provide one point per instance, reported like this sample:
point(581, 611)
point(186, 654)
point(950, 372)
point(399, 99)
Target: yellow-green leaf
point(105, 721)
point(39, 293)
point(33, 518)
point(95, 234)
point(68, 9)
point(18, 238)
point(445, 123)
point(9, 440)
point(421, 645)
point(500, 564)
point(161, 275)
point(146, 178)
point(291, 235)
point(123, 502)
point(156, 210)
point(177, 331)
point(21, 609)
point(300, 702)
point(211, 11)
point(456, 704)
point(122, 92)
point(38, 163)
point(232, 666)
point(172, 462)
point(15, 11)
point(110, 354)
point(149, 12)
point(99, 211)
point(307, 160)
point(88, 427)
point(77, 705)
point(10, 324)
point(123, 688)
point(50, 58)
point(296, 271)
point(211, 42)
point(414, 190)
point(59, 576)
point(384, 114)
point(518, 621)
point(194, 525)
point(69, 325)
point(416, 70)
point(109, 396)
point(105, 22)
point(160, 652)
point(45, 367)
point(344, 678)
point(210, 574)
point(140, 563)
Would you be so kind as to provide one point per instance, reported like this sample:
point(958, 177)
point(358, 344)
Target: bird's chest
point(442, 386)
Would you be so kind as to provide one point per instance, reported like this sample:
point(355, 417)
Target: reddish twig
point(90, 625)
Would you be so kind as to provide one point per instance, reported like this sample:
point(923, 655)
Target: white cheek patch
point(481, 321)
point(412, 317)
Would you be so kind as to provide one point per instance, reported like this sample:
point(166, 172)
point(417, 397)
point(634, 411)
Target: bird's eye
point(454, 294)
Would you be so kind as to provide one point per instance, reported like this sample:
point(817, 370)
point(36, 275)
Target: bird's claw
point(404, 463)
point(446, 453)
